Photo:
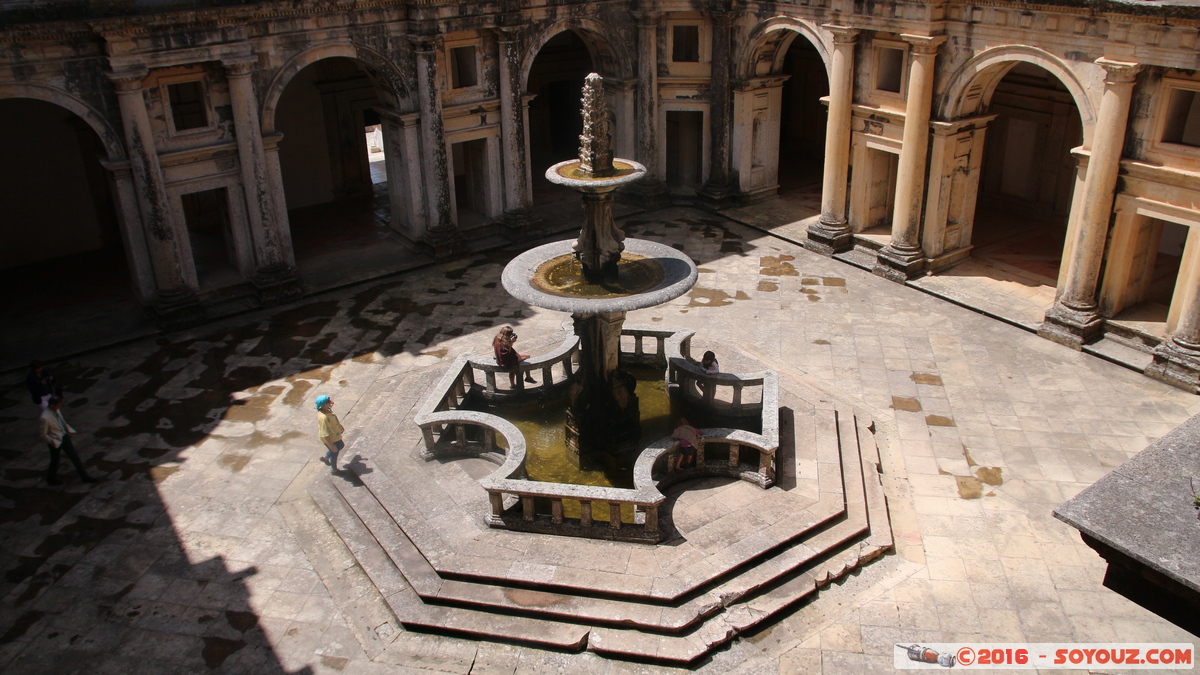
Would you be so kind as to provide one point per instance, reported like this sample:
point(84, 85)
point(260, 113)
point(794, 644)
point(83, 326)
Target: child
point(329, 429)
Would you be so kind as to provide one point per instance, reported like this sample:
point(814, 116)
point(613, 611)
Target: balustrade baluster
point(489, 439)
point(700, 453)
point(460, 435)
point(737, 394)
point(469, 374)
point(556, 511)
point(734, 452)
point(585, 513)
point(651, 519)
point(660, 347)
point(430, 442)
point(638, 350)
point(526, 507)
point(520, 379)
point(490, 377)
point(614, 515)
point(765, 460)
point(497, 500)
point(710, 391)
point(547, 378)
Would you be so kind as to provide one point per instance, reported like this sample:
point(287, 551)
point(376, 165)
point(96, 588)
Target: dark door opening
point(470, 181)
point(802, 119)
point(685, 148)
point(207, 216)
point(556, 80)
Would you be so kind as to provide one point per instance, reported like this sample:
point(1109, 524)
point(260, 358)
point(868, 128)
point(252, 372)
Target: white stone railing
point(450, 430)
point(555, 368)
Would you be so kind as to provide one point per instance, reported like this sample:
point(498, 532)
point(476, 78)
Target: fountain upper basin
point(569, 174)
point(678, 275)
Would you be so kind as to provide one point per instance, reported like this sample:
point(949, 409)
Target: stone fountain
point(598, 278)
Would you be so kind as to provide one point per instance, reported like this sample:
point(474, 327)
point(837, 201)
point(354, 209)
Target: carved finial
point(595, 143)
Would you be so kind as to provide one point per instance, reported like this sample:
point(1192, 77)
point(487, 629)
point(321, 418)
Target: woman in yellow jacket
point(329, 429)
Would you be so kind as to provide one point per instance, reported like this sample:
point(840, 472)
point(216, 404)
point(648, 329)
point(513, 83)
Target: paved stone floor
point(180, 559)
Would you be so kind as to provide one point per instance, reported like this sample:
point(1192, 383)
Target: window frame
point(164, 86)
point(877, 53)
point(1166, 92)
point(448, 60)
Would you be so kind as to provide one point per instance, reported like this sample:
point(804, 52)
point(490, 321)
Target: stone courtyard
point(202, 550)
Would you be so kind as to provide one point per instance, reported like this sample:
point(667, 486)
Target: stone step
point(644, 612)
point(410, 609)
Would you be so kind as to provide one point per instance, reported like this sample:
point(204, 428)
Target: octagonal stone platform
point(735, 555)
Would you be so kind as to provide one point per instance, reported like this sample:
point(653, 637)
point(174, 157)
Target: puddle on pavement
point(235, 463)
point(939, 421)
point(906, 404)
point(926, 378)
point(768, 286)
point(820, 342)
point(777, 266)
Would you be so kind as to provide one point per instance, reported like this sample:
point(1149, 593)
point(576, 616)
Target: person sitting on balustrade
point(507, 356)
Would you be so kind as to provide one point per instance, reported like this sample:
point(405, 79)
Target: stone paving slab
point(987, 429)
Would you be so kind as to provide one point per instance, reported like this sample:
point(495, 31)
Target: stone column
point(1177, 359)
point(721, 187)
point(275, 276)
point(1075, 318)
point(174, 302)
point(650, 190)
point(902, 259)
point(518, 220)
point(831, 234)
point(441, 238)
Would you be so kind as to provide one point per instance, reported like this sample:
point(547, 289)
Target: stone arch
point(608, 62)
point(770, 40)
point(108, 136)
point(383, 73)
point(972, 85)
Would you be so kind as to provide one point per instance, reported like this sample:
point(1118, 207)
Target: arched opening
point(802, 122)
point(556, 79)
point(332, 158)
point(1027, 176)
point(60, 239)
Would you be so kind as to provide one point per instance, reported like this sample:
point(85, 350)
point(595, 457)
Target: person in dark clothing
point(55, 431)
point(40, 383)
point(507, 356)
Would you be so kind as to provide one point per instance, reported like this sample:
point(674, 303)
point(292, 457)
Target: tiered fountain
point(598, 278)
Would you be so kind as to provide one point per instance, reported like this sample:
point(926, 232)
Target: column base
point(648, 193)
point(177, 308)
point(521, 225)
point(1071, 327)
point(276, 284)
point(1177, 365)
point(829, 238)
point(719, 195)
point(899, 265)
point(443, 246)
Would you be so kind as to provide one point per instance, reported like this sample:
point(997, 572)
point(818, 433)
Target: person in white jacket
point(57, 434)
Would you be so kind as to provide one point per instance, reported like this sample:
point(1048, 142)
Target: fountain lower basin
point(678, 275)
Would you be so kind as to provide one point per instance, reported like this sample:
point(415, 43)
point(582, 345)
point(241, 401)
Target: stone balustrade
point(554, 370)
point(520, 504)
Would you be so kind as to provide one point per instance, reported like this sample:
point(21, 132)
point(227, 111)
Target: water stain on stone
point(777, 266)
point(159, 474)
point(810, 281)
point(990, 475)
point(526, 598)
point(967, 455)
point(926, 378)
point(259, 439)
point(435, 352)
point(820, 342)
point(813, 297)
point(152, 453)
point(906, 404)
point(969, 487)
point(337, 663)
point(731, 247)
point(85, 532)
point(298, 394)
point(241, 621)
point(217, 649)
point(768, 286)
point(705, 270)
point(241, 411)
point(235, 463)
point(939, 421)
point(708, 297)
point(833, 281)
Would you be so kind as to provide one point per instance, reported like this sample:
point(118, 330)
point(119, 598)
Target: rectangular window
point(889, 65)
point(686, 46)
point(1183, 118)
point(462, 67)
point(187, 105)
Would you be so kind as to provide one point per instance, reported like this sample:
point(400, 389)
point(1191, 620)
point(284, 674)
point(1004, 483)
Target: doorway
point(685, 149)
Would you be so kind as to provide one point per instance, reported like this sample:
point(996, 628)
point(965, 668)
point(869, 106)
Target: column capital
point(1118, 72)
point(506, 33)
point(842, 34)
point(239, 66)
point(924, 44)
point(128, 80)
point(647, 18)
point(723, 18)
point(425, 43)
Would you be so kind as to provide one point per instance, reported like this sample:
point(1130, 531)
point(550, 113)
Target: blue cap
point(321, 401)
